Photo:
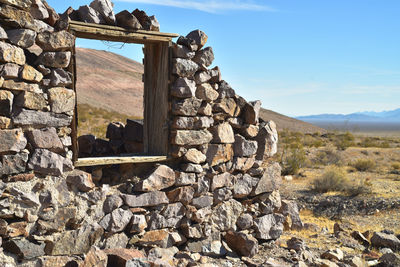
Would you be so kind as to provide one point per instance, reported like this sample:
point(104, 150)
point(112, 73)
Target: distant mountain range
point(367, 116)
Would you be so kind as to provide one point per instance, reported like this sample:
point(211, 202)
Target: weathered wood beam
point(83, 162)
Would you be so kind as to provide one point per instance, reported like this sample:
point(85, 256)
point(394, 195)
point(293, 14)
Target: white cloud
point(210, 6)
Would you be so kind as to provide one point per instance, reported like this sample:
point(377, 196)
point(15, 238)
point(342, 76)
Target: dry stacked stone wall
point(217, 196)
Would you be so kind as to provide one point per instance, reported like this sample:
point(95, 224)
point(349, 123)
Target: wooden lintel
point(117, 34)
point(84, 162)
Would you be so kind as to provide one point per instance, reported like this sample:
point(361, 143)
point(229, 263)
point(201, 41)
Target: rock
point(157, 238)
point(88, 14)
point(225, 90)
point(245, 221)
point(3, 35)
point(38, 10)
point(243, 147)
point(206, 92)
point(186, 107)
point(204, 58)
point(26, 117)
point(29, 73)
point(182, 52)
point(221, 180)
point(250, 131)
point(226, 106)
point(46, 162)
point(6, 102)
point(81, 180)
point(194, 156)
point(252, 112)
point(55, 41)
point(189, 43)
point(45, 138)
point(199, 38)
point(24, 249)
point(192, 123)
point(202, 77)
point(127, 20)
point(111, 203)
point(5, 123)
point(390, 259)
point(13, 164)
point(54, 59)
point(185, 179)
point(31, 100)
point(243, 164)
point(184, 67)
point(138, 223)
point(60, 77)
point(150, 199)
point(23, 4)
point(205, 109)
point(116, 221)
point(222, 194)
point(243, 186)
point(361, 238)
point(105, 9)
point(122, 256)
point(62, 100)
point(9, 71)
point(334, 254)
point(325, 263)
point(217, 154)
point(270, 202)
point(183, 88)
point(115, 130)
point(267, 140)
point(95, 257)
point(162, 177)
point(59, 261)
point(12, 54)
point(12, 141)
point(43, 26)
point(148, 23)
point(357, 262)
point(291, 209)
point(16, 17)
point(181, 194)
point(22, 37)
point(225, 215)
point(21, 86)
point(192, 138)
point(190, 167)
point(133, 131)
point(202, 202)
point(269, 226)
point(270, 181)
point(380, 239)
point(243, 244)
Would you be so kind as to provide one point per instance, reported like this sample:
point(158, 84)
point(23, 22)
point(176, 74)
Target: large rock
point(23, 4)
point(269, 226)
point(192, 138)
point(186, 107)
point(202, 77)
point(60, 77)
point(267, 140)
point(225, 90)
point(111, 203)
point(105, 9)
point(217, 154)
point(62, 100)
point(138, 223)
point(81, 180)
point(271, 180)
point(159, 238)
point(13, 164)
point(38, 119)
point(184, 67)
point(181, 194)
point(17, 18)
point(252, 112)
point(45, 138)
point(225, 214)
point(54, 59)
point(88, 14)
point(243, 244)
point(183, 88)
point(195, 156)
point(150, 199)
point(162, 177)
point(22, 86)
point(127, 20)
point(243, 147)
point(206, 92)
point(181, 51)
point(6, 102)
point(55, 41)
point(9, 71)
point(38, 10)
point(223, 133)
point(244, 185)
point(31, 100)
point(30, 74)
point(25, 249)
point(192, 123)
point(22, 37)
point(116, 221)
point(95, 257)
point(380, 239)
point(204, 58)
point(133, 131)
point(221, 180)
point(291, 210)
point(46, 162)
point(199, 38)
point(122, 257)
point(243, 164)
point(185, 179)
point(226, 106)
point(12, 141)
point(12, 54)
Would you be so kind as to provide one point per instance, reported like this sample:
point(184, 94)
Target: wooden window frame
point(157, 63)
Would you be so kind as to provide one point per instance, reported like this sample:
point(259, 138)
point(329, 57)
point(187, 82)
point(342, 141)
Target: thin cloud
point(206, 6)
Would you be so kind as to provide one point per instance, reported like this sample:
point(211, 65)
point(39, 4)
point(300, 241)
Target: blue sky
point(298, 57)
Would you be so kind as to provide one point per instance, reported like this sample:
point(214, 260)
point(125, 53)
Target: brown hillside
point(123, 93)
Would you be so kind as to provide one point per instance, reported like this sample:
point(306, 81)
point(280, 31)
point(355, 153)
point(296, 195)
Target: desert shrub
point(335, 179)
point(293, 155)
point(328, 156)
point(363, 165)
point(396, 166)
point(343, 141)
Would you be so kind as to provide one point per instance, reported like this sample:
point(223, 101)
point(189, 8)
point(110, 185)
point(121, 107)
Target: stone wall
point(217, 194)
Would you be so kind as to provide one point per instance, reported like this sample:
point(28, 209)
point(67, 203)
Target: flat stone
point(127, 20)
point(157, 238)
point(223, 133)
point(26, 117)
point(46, 162)
point(225, 215)
point(29, 73)
point(184, 67)
point(204, 58)
point(182, 51)
point(23, 4)
point(31, 100)
point(13, 164)
point(192, 123)
point(183, 88)
point(186, 107)
point(162, 177)
point(195, 156)
point(190, 167)
point(199, 37)
point(43, 26)
point(243, 244)
point(12, 54)
point(12, 141)
point(217, 154)
point(243, 147)
point(203, 201)
point(55, 41)
point(24, 248)
point(269, 226)
point(54, 59)
point(181, 194)
point(146, 200)
point(22, 37)
point(6, 102)
point(17, 17)
point(62, 100)
point(106, 9)
point(9, 71)
point(267, 140)
point(81, 180)
point(111, 203)
point(45, 138)
point(22, 86)
point(116, 221)
point(88, 14)
point(380, 239)
point(226, 106)
point(38, 10)
point(194, 137)
point(206, 92)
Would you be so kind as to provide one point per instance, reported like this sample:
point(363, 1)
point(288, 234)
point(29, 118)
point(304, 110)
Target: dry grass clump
point(343, 141)
point(396, 166)
point(335, 179)
point(363, 165)
point(328, 156)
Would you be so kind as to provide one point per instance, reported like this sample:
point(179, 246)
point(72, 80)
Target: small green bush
point(363, 165)
point(294, 161)
point(328, 156)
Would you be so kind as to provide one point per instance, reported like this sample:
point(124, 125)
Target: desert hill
point(114, 83)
